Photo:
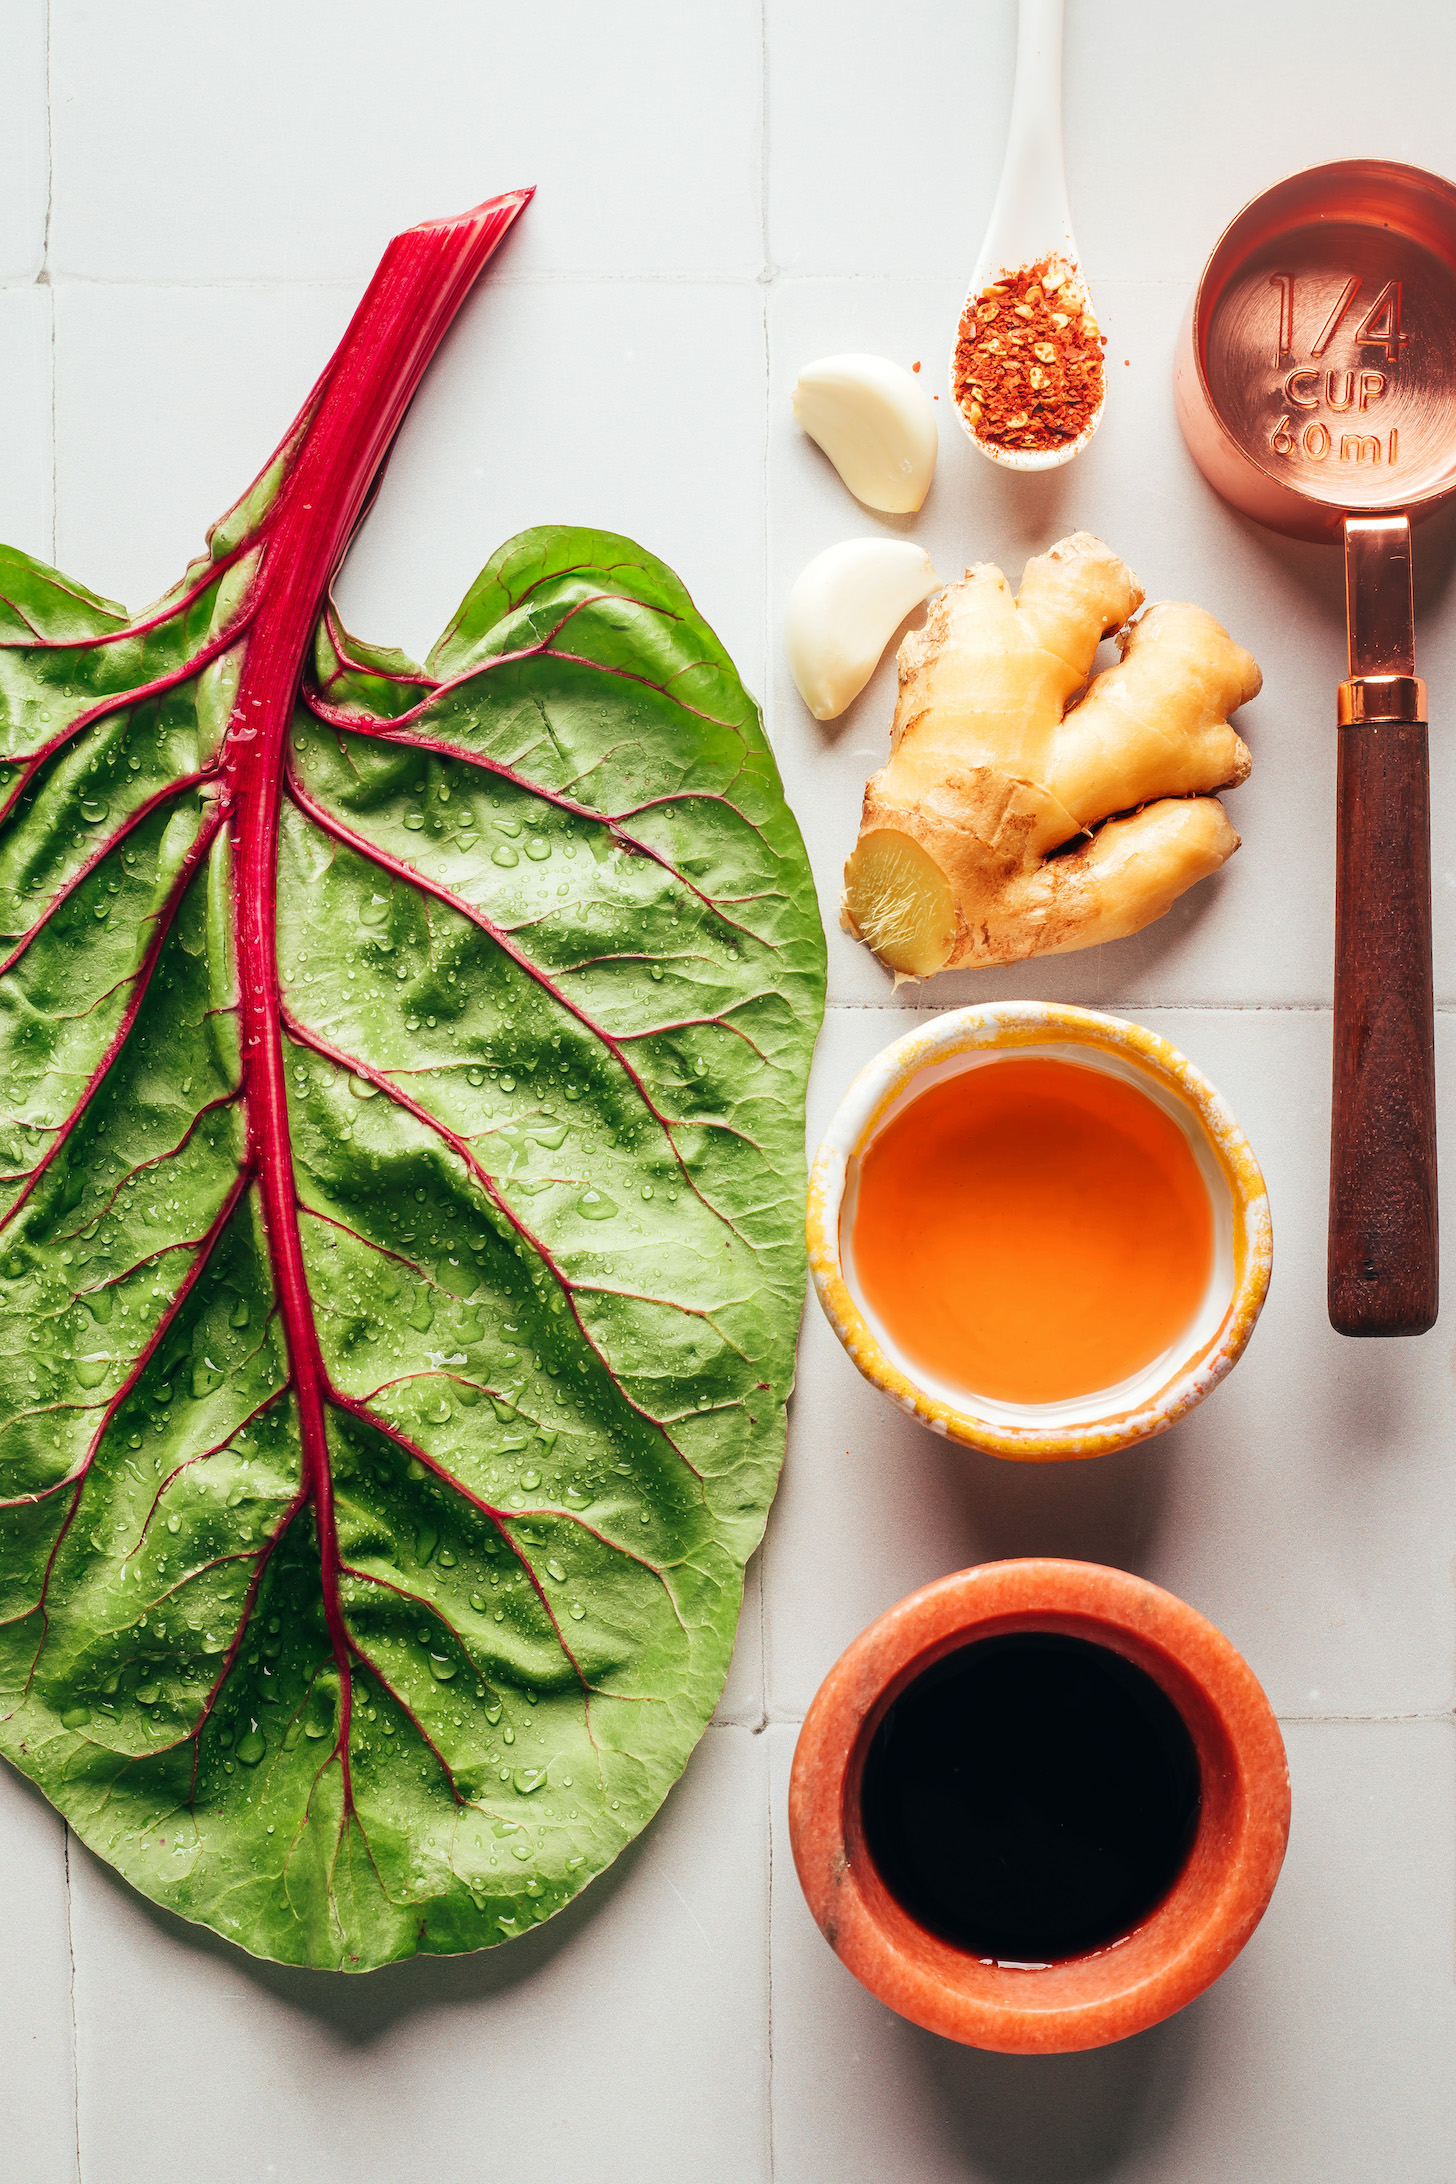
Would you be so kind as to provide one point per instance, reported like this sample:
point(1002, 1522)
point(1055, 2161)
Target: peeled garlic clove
point(874, 421)
point(843, 612)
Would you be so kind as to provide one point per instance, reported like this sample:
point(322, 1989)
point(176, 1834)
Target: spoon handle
point(1031, 214)
point(1382, 1241)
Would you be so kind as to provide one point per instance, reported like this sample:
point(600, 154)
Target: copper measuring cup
point(1316, 387)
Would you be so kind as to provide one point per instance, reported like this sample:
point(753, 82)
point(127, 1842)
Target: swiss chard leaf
point(401, 1170)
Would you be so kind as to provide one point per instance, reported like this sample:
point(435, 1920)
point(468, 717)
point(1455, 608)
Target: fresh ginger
point(996, 763)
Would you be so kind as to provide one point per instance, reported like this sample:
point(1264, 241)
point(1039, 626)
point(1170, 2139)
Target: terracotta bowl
point(1183, 1945)
point(1109, 1418)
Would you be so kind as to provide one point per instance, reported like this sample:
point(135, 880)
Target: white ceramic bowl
point(1151, 1400)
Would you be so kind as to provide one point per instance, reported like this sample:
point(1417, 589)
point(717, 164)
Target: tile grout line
point(764, 468)
point(761, 1721)
point(766, 275)
point(543, 276)
point(769, 1985)
point(1355, 1721)
point(43, 278)
point(766, 263)
point(350, 283)
point(890, 1007)
point(1293, 1721)
point(75, 2028)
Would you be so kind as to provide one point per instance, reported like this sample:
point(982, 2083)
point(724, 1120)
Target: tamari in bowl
point(1175, 1950)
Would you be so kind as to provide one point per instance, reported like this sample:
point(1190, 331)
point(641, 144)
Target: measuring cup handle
point(1382, 1241)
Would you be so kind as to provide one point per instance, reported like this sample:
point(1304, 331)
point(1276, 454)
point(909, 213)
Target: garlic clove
point(843, 612)
point(875, 422)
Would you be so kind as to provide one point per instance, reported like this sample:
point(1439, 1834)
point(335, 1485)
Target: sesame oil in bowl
point(1032, 1231)
point(1038, 1229)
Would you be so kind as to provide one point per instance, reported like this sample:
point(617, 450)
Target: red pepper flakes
point(916, 365)
point(1028, 367)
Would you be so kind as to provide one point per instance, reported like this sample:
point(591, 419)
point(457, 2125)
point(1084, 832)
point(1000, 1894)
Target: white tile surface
point(885, 134)
point(38, 2135)
point(219, 185)
point(168, 403)
point(24, 146)
point(25, 421)
point(170, 400)
point(194, 144)
point(1308, 1507)
point(661, 437)
point(628, 2039)
point(886, 131)
point(1323, 2052)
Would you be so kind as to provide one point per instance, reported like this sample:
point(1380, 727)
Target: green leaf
point(401, 1176)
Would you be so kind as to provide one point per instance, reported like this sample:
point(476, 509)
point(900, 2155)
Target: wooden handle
point(1382, 1257)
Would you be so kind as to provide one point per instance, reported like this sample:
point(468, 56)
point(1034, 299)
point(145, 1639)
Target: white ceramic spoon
point(1030, 219)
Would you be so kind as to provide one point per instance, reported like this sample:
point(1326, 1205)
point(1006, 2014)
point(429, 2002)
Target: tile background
point(190, 200)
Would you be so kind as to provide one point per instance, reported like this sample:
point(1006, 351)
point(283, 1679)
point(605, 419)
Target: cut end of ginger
point(899, 902)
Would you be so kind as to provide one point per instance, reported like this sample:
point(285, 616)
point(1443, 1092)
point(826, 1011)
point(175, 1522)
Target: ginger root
point(996, 763)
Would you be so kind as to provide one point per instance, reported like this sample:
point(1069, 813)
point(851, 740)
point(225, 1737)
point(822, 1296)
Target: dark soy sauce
point(1031, 1797)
